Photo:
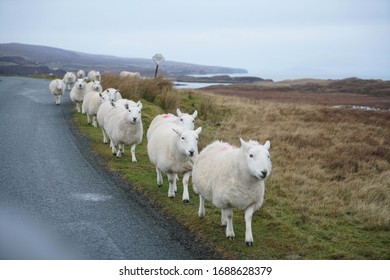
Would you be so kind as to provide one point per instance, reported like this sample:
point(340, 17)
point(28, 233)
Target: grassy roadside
point(328, 196)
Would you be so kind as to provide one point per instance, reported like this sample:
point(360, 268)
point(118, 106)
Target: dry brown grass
point(327, 162)
point(136, 89)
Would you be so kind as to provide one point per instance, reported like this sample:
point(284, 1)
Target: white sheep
point(57, 87)
point(123, 125)
point(69, 79)
point(94, 75)
point(78, 92)
point(106, 107)
point(127, 74)
point(113, 96)
point(173, 150)
point(232, 177)
point(80, 74)
point(91, 86)
point(91, 103)
point(185, 120)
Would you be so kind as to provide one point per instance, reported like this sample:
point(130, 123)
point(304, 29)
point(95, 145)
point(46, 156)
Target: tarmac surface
point(57, 201)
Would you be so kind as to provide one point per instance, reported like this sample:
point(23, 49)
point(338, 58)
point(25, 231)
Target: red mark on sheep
point(227, 148)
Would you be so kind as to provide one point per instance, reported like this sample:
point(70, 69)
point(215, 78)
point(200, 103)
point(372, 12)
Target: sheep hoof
point(230, 237)
point(186, 201)
point(171, 197)
point(160, 186)
point(249, 243)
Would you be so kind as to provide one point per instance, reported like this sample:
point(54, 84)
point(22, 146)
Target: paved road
point(56, 203)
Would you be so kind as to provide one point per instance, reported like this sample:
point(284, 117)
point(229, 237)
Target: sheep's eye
point(251, 155)
point(193, 121)
point(197, 138)
point(182, 138)
point(181, 120)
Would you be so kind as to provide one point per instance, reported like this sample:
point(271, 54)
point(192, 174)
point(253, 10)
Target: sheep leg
point(121, 148)
point(94, 122)
point(113, 148)
point(248, 225)
point(223, 218)
point(159, 178)
point(201, 212)
point(228, 213)
point(105, 141)
point(172, 183)
point(58, 99)
point(177, 180)
point(78, 107)
point(133, 158)
point(89, 119)
point(186, 178)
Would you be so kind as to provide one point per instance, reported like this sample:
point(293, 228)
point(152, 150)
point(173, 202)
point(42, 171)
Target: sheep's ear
point(267, 144)
point(198, 130)
point(179, 113)
point(139, 104)
point(244, 144)
point(195, 114)
point(177, 131)
point(127, 106)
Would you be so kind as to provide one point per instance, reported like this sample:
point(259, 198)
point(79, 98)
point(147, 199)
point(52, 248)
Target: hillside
point(25, 59)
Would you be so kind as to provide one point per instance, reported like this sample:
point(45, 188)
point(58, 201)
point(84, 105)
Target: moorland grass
point(328, 196)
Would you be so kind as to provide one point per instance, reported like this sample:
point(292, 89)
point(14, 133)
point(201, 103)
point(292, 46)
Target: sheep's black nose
point(264, 173)
point(192, 153)
point(134, 119)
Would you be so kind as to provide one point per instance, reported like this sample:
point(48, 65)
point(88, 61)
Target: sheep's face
point(257, 158)
point(104, 97)
point(134, 115)
point(80, 84)
point(187, 121)
point(69, 77)
point(96, 86)
point(60, 86)
point(113, 94)
point(80, 74)
point(188, 141)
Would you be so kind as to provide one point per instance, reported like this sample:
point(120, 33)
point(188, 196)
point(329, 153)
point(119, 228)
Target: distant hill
point(22, 59)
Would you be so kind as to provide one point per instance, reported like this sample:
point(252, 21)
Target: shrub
point(135, 88)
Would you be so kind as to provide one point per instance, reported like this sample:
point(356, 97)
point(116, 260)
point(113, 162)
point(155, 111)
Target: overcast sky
point(278, 39)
